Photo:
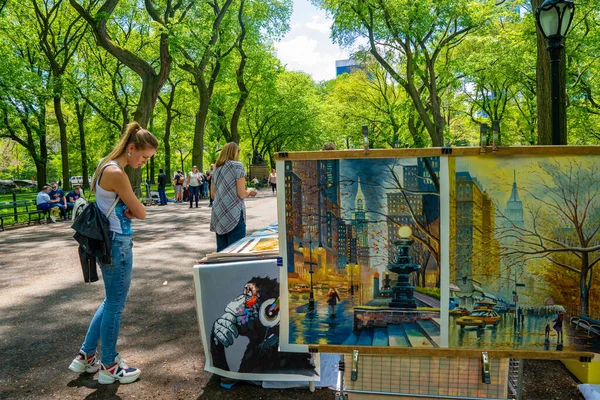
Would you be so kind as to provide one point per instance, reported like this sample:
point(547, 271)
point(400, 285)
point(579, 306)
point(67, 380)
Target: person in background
point(113, 190)
point(202, 185)
point(57, 197)
point(332, 298)
point(162, 184)
point(273, 180)
point(42, 202)
point(209, 177)
point(328, 146)
point(72, 197)
point(193, 182)
point(558, 326)
point(228, 190)
point(206, 186)
point(178, 181)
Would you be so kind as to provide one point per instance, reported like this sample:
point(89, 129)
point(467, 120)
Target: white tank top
point(104, 199)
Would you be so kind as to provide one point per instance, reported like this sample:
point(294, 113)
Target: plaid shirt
point(227, 206)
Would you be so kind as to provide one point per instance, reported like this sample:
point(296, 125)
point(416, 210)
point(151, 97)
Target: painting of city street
point(524, 252)
point(362, 252)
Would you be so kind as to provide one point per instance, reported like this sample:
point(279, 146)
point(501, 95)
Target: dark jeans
point(44, 207)
point(163, 195)
point(273, 187)
point(194, 191)
point(239, 232)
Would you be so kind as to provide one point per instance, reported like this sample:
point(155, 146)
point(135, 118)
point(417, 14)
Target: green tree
point(408, 39)
point(24, 92)
point(59, 31)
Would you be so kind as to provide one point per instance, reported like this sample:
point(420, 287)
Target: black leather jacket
point(92, 232)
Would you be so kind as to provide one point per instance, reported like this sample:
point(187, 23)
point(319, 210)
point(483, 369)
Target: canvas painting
point(361, 253)
point(239, 314)
point(524, 252)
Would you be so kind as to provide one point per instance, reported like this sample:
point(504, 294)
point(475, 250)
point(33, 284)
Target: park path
point(45, 308)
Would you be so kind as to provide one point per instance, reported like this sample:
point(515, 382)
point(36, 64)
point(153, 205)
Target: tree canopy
point(202, 73)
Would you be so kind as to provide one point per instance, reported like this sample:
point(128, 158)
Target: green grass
point(431, 292)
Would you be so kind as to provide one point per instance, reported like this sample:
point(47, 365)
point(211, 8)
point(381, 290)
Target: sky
point(308, 47)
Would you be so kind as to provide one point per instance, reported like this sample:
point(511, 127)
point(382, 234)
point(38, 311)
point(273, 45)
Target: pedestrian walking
point(558, 326)
point(332, 298)
point(228, 189)
point(114, 196)
point(178, 181)
point(193, 182)
point(273, 180)
point(210, 184)
point(162, 186)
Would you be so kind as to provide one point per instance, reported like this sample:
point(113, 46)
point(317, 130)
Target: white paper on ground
point(590, 392)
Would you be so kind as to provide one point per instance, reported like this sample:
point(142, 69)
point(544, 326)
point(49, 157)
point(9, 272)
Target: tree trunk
point(239, 77)
point(80, 123)
point(198, 146)
point(167, 144)
point(40, 172)
point(64, 144)
point(583, 285)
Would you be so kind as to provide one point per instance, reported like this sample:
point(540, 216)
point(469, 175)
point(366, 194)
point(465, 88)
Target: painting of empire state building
point(524, 252)
point(362, 251)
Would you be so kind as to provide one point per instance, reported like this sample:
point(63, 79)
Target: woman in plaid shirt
point(228, 189)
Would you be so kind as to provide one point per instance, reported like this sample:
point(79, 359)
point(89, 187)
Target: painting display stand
point(443, 268)
point(466, 374)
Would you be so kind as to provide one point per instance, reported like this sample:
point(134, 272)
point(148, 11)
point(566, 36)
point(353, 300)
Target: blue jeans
point(194, 190)
point(239, 232)
point(163, 195)
point(117, 278)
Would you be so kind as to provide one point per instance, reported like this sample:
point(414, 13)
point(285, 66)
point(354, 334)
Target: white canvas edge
point(444, 179)
point(284, 324)
point(237, 375)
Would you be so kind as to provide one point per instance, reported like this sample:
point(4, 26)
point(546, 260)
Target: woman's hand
point(128, 213)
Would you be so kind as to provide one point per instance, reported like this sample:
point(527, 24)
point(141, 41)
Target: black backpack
point(92, 232)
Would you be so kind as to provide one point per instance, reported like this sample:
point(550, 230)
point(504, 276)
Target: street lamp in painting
point(403, 291)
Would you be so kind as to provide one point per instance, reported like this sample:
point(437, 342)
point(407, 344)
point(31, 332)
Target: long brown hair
point(231, 151)
point(134, 134)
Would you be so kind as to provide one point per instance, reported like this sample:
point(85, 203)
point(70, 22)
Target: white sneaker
point(118, 371)
point(53, 218)
point(85, 363)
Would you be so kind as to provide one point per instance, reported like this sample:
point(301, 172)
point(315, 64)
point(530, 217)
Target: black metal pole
point(311, 296)
point(554, 47)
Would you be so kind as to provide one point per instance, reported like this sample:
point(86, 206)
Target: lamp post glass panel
point(483, 136)
point(554, 18)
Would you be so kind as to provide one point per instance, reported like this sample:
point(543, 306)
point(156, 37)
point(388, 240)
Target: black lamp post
point(311, 296)
point(554, 19)
point(352, 279)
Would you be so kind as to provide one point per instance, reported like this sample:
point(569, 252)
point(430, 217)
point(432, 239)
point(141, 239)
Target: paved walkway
point(45, 309)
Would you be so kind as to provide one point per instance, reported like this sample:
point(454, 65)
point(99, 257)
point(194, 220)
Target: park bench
point(14, 209)
point(586, 323)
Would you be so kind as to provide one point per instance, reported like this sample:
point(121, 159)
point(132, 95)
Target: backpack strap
point(110, 210)
point(114, 204)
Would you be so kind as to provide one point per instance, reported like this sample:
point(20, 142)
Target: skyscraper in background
point(346, 66)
